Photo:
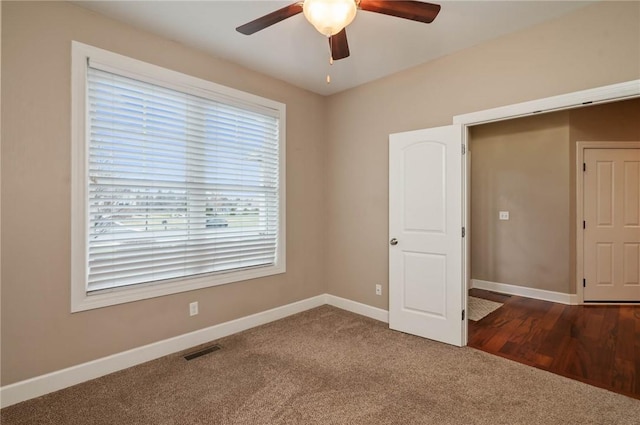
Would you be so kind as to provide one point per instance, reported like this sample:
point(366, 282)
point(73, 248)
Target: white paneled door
point(425, 233)
point(611, 225)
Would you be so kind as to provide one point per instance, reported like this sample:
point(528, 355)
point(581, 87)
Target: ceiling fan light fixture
point(329, 17)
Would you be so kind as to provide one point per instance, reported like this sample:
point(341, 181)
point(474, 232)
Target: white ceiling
point(294, 51)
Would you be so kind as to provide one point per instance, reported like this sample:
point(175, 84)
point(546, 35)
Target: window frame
point(81, 300)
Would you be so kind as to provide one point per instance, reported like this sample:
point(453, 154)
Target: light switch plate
point(504, 215)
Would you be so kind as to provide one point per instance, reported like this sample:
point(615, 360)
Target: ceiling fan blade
point(413, 10)
point(339, 46)
point(270, 19)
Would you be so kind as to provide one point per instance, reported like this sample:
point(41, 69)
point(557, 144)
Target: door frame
point(578, 99)
point(580, 148)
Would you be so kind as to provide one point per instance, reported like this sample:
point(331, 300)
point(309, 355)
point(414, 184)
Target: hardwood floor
point(598, 345)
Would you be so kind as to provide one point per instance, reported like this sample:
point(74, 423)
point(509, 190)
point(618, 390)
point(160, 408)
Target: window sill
point(89, 301)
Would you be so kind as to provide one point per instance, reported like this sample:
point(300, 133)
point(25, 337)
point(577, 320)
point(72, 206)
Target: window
point(178, 182)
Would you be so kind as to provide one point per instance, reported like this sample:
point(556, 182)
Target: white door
point(611, 225)
point(425, 233)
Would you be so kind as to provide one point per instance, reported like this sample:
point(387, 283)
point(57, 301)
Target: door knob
point(393, 241)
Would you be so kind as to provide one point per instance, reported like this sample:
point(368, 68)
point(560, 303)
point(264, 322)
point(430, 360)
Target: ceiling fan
point(330, 17)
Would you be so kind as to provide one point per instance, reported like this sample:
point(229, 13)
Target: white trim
point(80, 55)
point(54, 381)
point(358, 308)
point(466, 222)
point(134, 68)
point(538, 294)
point(611, 93)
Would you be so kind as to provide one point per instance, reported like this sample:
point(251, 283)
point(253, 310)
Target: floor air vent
point(202, 352)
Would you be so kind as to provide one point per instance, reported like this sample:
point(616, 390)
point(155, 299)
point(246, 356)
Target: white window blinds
point(178, 185)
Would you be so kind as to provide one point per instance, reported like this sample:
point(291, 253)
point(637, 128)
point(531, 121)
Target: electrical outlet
point(503, 215)
point(378, 289)
point(193, 308)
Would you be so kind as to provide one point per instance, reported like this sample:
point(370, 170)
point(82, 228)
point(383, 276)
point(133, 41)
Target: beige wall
point(595, 46)
point(39, 335)
point(0, 179)
point(521, 166)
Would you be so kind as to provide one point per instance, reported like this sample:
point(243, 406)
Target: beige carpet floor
point(328, 366)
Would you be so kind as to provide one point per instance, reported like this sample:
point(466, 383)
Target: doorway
point(526, 213)
point(582, 342)
point(612, 93)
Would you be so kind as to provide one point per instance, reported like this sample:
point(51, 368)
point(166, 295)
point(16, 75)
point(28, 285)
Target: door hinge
point(584, 283)
point(584, 166)
point(584, 224)
point(464, 149)
point(463, 232)
point(462, 314)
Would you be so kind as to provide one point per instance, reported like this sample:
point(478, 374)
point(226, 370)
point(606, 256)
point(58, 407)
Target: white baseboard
point(54, 381)
point(539, 294)
point(358, 308)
